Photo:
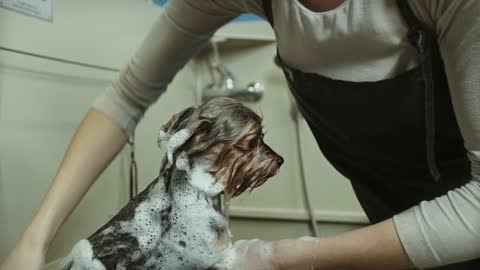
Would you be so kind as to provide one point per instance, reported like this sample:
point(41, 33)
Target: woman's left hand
point(250, 255)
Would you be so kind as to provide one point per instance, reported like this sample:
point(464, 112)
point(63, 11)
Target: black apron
point(397, 140)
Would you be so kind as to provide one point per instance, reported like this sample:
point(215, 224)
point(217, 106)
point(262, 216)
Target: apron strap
point(412, 21)
point(422, 39)
point(267, 8)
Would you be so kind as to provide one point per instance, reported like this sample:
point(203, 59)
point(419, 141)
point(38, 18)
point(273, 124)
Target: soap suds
point(204, 181)
point(175, 141)
point(178, 228)
point(82, 258)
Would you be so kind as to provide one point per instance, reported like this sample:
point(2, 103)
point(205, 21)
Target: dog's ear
point(177, 132)
point(175, 123)
point(174, 132)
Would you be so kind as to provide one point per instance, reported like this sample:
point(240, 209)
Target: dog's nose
point(280, 161)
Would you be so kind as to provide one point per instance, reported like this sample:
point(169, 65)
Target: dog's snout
point(279, 161)
point(274, 156)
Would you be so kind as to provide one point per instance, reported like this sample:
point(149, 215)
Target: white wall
point(42, 102)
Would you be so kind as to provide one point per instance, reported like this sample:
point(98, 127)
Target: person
point(391, 91)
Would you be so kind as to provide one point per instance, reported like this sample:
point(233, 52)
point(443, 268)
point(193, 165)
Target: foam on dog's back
point(145, 225)
point(193, 222)
point(175, 229)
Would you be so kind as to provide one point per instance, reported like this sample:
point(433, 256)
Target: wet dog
point(177, 222)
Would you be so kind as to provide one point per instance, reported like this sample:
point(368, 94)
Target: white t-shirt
point(361, 40)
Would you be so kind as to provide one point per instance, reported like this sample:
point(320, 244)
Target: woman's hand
point(26, 255)
point(95, 144)
point(249, 255)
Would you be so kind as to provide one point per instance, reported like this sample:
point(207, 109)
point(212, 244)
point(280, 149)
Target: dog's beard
point(242, 169)
point(201, 179)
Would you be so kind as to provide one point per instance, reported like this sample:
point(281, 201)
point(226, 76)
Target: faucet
point(226, 87)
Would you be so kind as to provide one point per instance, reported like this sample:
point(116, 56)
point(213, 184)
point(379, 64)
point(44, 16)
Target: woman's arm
point(94, 145)
point(370, 248)
point(447, 230)
point(96, 142)
point(374, 247)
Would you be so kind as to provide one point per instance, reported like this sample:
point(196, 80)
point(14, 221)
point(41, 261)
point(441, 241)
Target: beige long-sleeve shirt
point(360, 40)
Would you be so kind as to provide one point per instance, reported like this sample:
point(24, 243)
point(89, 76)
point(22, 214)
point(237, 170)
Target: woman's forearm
point(94, 145)
point(373, 247)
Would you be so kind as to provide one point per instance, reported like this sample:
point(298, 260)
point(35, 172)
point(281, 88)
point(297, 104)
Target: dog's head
point(224, 139)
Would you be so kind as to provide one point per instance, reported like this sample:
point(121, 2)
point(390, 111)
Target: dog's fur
point(176, 222)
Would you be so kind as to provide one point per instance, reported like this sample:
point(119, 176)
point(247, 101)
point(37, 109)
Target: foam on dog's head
point(175, 141)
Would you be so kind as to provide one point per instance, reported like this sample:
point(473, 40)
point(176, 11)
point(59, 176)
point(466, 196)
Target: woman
point(369, 78)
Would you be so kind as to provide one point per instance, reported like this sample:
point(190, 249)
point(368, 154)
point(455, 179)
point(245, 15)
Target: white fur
point(204, 181)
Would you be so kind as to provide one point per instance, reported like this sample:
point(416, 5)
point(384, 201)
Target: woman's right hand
point(26, 255)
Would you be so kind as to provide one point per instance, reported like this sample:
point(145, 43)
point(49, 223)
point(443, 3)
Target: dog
point(177, 221)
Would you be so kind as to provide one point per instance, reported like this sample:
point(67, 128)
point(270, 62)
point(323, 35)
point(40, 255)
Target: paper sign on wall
point(41, 9)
